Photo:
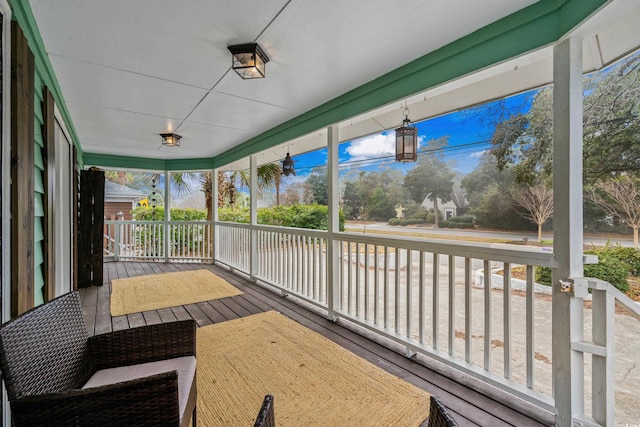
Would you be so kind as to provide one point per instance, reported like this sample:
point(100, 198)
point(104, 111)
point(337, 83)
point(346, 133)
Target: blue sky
point(468, 137)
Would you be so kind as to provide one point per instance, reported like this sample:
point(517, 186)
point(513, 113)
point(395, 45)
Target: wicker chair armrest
point(148, 401)
point(144, 344)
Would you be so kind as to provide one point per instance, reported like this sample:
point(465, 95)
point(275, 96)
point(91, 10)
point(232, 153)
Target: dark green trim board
point(536, 26)
point(22, 14)
point(112, 161)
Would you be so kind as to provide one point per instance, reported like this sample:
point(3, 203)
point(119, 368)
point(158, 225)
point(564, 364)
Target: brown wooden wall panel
point(22, 169)
point(48, 137)
point(91, 228)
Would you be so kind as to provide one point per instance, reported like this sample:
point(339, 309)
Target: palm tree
point(269, 177)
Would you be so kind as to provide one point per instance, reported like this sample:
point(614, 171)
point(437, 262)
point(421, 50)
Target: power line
point(456, 150)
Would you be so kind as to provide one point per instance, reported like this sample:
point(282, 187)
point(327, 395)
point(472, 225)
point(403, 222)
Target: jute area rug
point(315, 382)
point(152, 292)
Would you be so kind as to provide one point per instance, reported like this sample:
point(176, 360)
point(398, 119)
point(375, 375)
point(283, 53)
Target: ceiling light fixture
point(171, 139)
point(406, 139)
point(248, 60)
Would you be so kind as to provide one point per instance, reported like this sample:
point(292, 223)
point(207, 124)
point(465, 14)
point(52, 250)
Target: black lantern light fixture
point(171, 139)
point(248, 60)
point(287, 166)
point(406, 139)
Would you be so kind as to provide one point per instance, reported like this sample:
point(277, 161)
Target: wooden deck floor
point(470, 405)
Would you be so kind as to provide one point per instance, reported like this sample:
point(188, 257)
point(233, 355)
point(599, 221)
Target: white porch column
point(333, 200)
point(167, 214)
point(214, 211)
point(568, 370)
point(253, 212)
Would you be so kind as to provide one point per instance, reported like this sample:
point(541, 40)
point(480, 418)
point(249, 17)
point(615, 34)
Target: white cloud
point(373, 146)
point(478, 154)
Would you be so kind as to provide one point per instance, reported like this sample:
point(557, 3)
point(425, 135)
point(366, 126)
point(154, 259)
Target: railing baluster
point(349, 268)
point(507, 319)
point(322, 272)
point(530, 334)
point(386, 287)
point(397, 293)
point(436, 299)
point(421, 301)
point(376, 286)
point(487, 316)
point(452, 303)
point(467, 310)
point(357, 266)
point(409, 310)
point(366, 281)
point(290, 261)
point(313, 283)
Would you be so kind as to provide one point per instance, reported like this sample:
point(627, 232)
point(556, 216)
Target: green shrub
point(234, 215)
point(453, 224)
point(543, 275)
point(629, 256)
point(300, 216)
point(608, 268)
point(421, 214)
point(394, 221)
point(141, 213)
point(461, 219)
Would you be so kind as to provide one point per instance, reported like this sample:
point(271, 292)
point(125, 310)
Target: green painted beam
point(124, 162)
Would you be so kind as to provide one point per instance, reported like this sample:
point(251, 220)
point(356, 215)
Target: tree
point(431, 177)
point(488, 192)
point(611, 128)
point(537, 200)
point(373, 195)
point(269, 177)
point(317, 179)
point(621, 198)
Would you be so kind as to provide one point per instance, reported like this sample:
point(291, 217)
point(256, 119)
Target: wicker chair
point(439, 415)
point(266, 416)
point(58, 376)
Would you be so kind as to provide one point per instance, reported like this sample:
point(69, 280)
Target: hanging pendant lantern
point(287, 166)
point(406, 140)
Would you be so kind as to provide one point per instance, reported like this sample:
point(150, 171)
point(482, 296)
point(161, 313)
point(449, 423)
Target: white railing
point(419, 293)
point(472, 306)
point(599, 343)
point(423, 294)
point(158, 240)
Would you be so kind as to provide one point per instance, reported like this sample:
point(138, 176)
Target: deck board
point(470, 406)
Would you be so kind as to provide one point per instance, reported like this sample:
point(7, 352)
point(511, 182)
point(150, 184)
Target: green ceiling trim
point(145, 163)
point(536, 26)
point(21, 13)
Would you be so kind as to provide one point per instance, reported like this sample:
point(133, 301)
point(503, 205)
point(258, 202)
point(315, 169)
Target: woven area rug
point(142, 293)
point(315, 381)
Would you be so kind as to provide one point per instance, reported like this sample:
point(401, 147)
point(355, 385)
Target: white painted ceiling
point(130, 70)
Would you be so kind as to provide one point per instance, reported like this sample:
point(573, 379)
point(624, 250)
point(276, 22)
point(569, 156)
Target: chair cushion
point(186, 367)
